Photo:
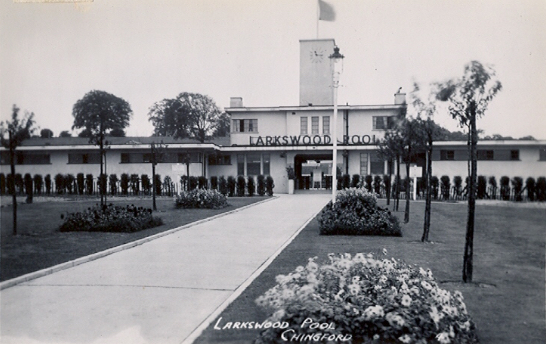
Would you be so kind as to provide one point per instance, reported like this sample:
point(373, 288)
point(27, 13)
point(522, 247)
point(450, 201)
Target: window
point(303, 125)
point(363, 164)
point(542, 154)
point(447, 155)
point(245, 125)
point(266, 164)
point(314, 125)
point(84, 158)
point(514, 154)
point(383, 122)
point(240, 164)
point(485, 154)
point(24, 158)
point(253, 164)
point(326, 125)
point(377, 165)
point(194, 158)
point(218, 159)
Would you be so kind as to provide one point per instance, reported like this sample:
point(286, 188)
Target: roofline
point(315, 108)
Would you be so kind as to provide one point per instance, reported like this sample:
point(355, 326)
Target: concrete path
point(158, 292)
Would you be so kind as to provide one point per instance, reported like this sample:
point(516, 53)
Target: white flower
point(385, 251)
point(395, 320)
point(312, 266)
point(406, 300)
point(435, 315)
point(376, 337)
point(405, 339)
point(354, 289)
point(373, 312)
point(426, 285)
point(443, 338)
point(383, 279)
point(300, 269)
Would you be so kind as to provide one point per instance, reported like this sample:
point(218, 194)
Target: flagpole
point(318, 17)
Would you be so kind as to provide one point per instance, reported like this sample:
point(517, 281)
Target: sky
point(52, 54)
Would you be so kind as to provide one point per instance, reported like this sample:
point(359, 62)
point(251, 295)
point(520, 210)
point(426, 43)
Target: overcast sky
point(144, 51)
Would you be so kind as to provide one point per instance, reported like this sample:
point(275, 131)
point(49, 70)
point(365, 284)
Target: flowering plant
point(110, 218)
point(201, 198)
point(375, 300)
point(356, 212)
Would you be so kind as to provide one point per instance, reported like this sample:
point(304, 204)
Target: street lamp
point(336, 66)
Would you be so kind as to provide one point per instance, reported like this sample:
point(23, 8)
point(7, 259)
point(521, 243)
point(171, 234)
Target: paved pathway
point(158, 292)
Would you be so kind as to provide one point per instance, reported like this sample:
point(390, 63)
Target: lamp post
point(336, 63)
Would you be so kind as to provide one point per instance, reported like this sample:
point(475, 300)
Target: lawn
point(506, 300)
point(39, 244)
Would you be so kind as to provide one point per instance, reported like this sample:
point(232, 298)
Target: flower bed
point(366, 299)
point(356, 213)
point(201, 198)
point(110, 218)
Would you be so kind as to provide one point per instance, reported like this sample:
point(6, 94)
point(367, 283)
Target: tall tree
point(189, 115)
point(390, 149)
point(223, 125)
point(12, 135)
point(46, 133)
point(468, 99)
point(65, 133)
point(100, 113)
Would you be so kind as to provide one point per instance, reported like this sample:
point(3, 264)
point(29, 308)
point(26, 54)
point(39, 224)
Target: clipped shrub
point(203, 182)
point(368, 180)
point(434, 183)
point(10, 184)
point(214, 183)
point(184, 183)
point(269, 185)
point(146, 184)
point(110, 218)
point(103, 183)
point(193, 182)
point(356, 212)
point(47, 181)
point(29, 187)
point(69, 180)
point(241, 185)
point(445, 185)
point(135, 184)
point(38, 184)
point(2, 184)
point(89, 184)
point(541, 189)
point(124, 183)
point(377, 185)
point(367, 300)
point(201, 198)
point(157, 184)
point(493, 187)
point(505, 188)
point(458, 185)
point(345, 181)
point(168, 186)
point(387, 184)
point(339, 182)
point(231, 184)
point(261, 185)
point(355, 181)
point(59, 183)
point(19, 183)
point(517, 185)
point(530, 184)
point(251, 186)
point(482, 187)
point(113, 181)
point(80, 183)
point(223, 187)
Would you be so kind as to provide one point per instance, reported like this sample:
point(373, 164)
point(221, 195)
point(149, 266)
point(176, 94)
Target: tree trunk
point(406, 212)
point(469, 243)
point(101, 162)
point(428, 201)
point(153, 181)
point(397, 189)
point(14, 195)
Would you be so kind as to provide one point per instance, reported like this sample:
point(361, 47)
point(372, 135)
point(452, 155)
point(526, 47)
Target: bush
point(113, 180)
point(251, 186)
point(124, 183)
point(89, 183)
point(269, 185)
point(193, 183)
point(505, 188)
point(530, 184)
point(157, 183)
point(80, 183)
point(47, 181)
point(541, 189)
point(261, 185)
point(371, 299)
point(356, 212)
point(231, 186)
point(69, 180)
point(38, 184)
point(434, 183)
point(29, 187)
point(10, 184)
point(214, 183)
point(146, 184)
point(168, 186)
point(458, 184)
point(203, 182)
point(493, 184)
point(482, 187)
point(517, 185)
point(103, 183)
point(387, 183)
point(59, 183)
point(222, 186)
point(368, 182)
point(345, 181)
point(377, 185)
point(19, 183)
point(241, 184)
point(135, 184)
point(110, 218)
point(2, 184)
point(445, 186)
point(201, 198)
point(355, 181)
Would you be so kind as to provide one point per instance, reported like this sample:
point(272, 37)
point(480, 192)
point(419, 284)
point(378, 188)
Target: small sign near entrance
point(307, 140)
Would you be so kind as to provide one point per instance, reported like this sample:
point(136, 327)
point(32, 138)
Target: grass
point(506, 299)
point(39, 243)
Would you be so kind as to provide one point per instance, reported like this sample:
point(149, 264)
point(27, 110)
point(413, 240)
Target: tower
point(316, 72)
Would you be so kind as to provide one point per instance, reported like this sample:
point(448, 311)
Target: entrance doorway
point(313, 171)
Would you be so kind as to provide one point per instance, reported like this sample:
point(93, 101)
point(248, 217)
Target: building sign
point(308, 140)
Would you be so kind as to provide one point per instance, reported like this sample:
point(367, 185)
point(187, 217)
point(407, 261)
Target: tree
point(223, 126)
point(390, 149)
point(117, 132)
point(46, 133)
point(189, 115)
point(65, 133)
point(468, 99)
point(157, 153)
point(12, 135)
point(100, 113)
